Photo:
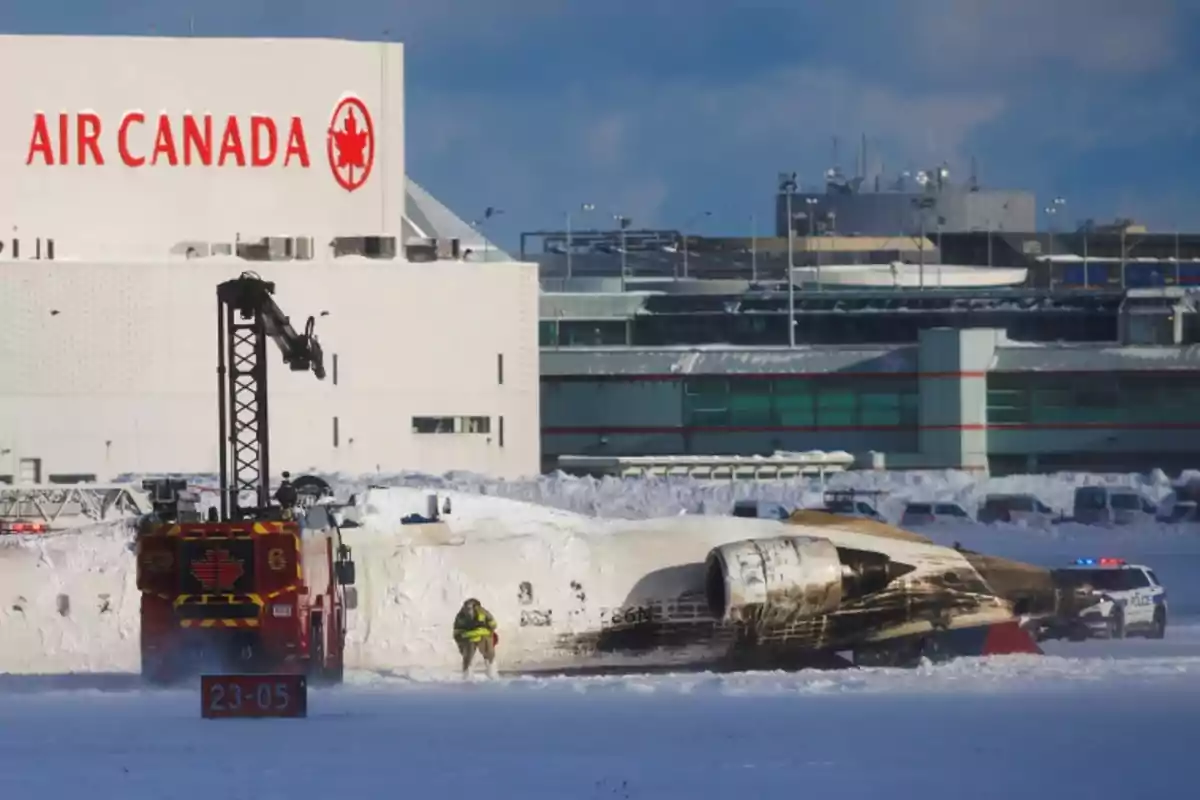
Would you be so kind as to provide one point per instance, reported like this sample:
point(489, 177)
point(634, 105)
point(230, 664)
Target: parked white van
point(1110, 505)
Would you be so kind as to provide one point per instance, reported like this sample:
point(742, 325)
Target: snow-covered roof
point(857, 359)
point(724, 360)
point(426, 217)
point(1027, 357)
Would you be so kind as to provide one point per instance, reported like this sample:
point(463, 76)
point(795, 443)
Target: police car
point(1132, 601)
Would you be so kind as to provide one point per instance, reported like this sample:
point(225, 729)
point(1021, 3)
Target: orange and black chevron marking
point(218, 623)
point(221, 599)
point(210, 530)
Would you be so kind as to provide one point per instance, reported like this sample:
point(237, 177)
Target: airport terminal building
point(967, 399)
point(1004, 381)
point(138, 173)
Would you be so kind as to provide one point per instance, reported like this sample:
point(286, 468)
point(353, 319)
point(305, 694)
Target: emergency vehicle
point(256, 586)
point(1132, 601)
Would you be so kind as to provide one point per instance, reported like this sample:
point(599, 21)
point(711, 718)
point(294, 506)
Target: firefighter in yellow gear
point(475, 629)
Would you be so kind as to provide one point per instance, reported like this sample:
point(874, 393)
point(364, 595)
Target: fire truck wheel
point(337, 672)
point(320, 672)
point(316, 649)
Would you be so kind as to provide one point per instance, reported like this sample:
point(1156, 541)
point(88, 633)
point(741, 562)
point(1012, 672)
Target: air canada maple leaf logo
point(217, 571)
point(350, 143)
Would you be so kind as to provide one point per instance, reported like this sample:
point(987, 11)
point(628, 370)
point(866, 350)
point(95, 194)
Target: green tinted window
point(706, 402)
point(751, 410)
point(835, 408)
point(1007, 405)
point(879, 409)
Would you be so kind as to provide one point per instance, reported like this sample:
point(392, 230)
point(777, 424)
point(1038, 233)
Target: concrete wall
point(953, 388)
point(116, 210)
point(109, 368)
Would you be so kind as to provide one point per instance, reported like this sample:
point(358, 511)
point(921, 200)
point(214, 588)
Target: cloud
point(990, 42)
point(663, 152)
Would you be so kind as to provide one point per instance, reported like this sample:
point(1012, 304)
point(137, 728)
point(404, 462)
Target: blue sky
point(664, 109)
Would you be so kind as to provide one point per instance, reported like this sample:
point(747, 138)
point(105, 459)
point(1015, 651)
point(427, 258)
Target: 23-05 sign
point(226, 696)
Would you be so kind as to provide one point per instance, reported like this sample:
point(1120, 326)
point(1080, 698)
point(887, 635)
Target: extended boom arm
point(246, 316)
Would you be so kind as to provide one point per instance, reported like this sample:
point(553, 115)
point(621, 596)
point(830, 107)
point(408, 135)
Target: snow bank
point(642, 498)
point(68, 601)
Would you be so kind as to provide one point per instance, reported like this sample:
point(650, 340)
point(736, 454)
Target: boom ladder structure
point(247, 315)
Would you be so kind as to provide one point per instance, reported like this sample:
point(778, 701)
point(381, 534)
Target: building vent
point(191, 249)
point(366, 246)
point(304, 248)
point(254, 251)
point(271, 248)
point(421, 251)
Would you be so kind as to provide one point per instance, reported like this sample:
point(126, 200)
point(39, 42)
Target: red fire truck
point(261, 587)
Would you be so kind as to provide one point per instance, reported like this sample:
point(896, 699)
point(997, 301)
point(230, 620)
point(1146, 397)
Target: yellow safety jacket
point(474, 627)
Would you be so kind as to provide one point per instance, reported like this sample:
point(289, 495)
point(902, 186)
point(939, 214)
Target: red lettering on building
point(178, 140)
point(195, 139)
point(231, 144)
point(63, 141)
point(87, 139)
point(296, 145)
point(258, 126)
point(39, 142)
point(129, 159)
point(164, 143)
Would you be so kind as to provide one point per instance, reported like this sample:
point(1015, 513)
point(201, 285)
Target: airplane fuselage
point(688, 591)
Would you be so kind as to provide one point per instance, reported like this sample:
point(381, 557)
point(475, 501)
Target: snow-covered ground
point(998, 730)
point(1052, 726)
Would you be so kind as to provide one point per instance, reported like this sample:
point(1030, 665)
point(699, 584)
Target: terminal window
point(1093, 399)
point(814, 402)
point(451, 424)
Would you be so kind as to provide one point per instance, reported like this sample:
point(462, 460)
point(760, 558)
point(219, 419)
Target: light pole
point(488, 213)
point(623, 222)
point(687, 225)
point(753, 248)
point(811, 202)
point(582, 207)
point(923, 204)
point(787, 183)
point(1051, 212)
point(1177, 269)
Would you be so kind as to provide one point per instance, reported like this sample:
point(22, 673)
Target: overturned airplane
point(702, 592)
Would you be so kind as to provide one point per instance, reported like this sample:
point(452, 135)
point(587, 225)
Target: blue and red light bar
point(1100, 562)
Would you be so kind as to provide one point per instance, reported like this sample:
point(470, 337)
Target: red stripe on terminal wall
point(635, 430)
point(759, 376)
point(641, 430)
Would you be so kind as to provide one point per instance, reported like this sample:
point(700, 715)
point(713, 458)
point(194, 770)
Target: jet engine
point(791, 577)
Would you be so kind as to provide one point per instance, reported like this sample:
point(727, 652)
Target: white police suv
point(1132, 601)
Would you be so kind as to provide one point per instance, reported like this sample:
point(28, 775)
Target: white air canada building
point(138, 173)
